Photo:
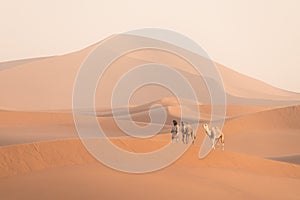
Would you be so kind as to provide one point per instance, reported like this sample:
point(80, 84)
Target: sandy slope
point(47, 84)
point(66, 175)
point(18, 63)
point(94, 182)
point(63, 169)
point(28, 127)
point(272, 133)
point(268, 133)
point(41, 156)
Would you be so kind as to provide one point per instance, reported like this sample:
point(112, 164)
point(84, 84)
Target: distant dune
point(17, 63)
point(48, 83)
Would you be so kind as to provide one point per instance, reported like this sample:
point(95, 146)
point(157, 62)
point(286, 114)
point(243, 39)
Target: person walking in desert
point(175, 131)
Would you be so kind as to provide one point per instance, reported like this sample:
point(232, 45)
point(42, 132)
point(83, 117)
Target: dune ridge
point(51, 86)
point(26, 158)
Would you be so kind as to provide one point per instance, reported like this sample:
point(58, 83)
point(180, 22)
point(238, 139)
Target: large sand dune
point(47, 84)
point(41, 156)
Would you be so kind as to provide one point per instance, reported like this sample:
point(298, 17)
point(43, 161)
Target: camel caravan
point(214, 133)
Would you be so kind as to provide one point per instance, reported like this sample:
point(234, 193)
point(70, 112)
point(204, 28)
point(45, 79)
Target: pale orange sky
point(258, 38)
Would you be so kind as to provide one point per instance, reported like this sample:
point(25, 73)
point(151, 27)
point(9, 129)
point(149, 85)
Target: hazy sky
point(260, 38)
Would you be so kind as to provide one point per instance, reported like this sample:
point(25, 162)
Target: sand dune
point(271, 133)
point(25, 158)
point(28, 127)
point(40, 149)
point(277, 118)
point(65, 166)
point(17, 63)
point(94, 182)
point(48, 83)
point(295, 159)
point(19, 127)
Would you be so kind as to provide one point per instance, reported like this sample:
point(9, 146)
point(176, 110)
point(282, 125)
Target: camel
point(187, 131)
point(215, 134)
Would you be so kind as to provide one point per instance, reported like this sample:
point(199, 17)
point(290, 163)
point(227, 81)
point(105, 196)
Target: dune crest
point(27, 158)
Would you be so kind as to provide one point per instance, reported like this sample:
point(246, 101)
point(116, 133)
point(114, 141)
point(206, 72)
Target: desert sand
point(42, 157)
